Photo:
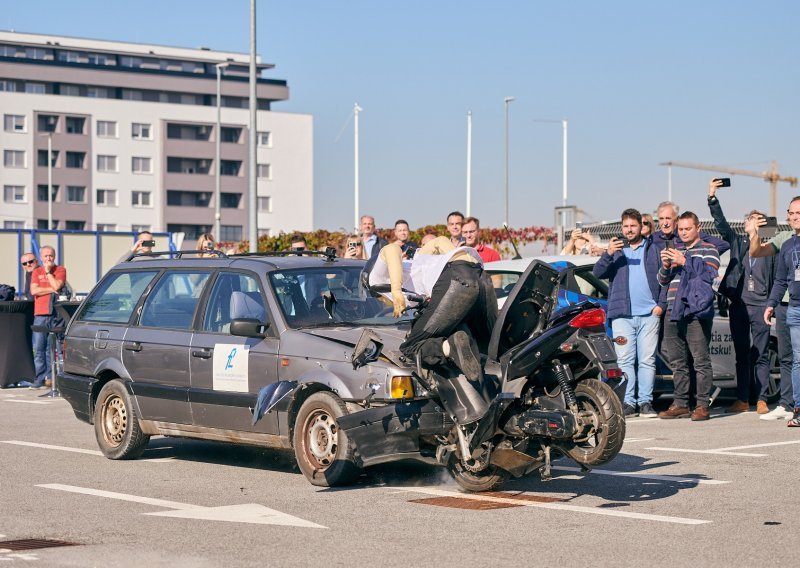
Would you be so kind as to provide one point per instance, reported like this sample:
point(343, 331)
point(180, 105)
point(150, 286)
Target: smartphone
point(669, 244)
point(150, 244)
point(726, 182)
point(578, 225)
point(352, 245)
point(770, 229)
point(625, 242)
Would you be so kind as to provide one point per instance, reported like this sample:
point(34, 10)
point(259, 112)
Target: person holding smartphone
point(633, 308)
point(747, 283)
point(144, 243)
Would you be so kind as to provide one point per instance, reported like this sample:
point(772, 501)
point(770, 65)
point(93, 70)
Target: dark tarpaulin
point(16, 347)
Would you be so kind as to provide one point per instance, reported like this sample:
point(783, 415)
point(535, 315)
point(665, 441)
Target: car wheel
point(116, 423)
point(323, 451)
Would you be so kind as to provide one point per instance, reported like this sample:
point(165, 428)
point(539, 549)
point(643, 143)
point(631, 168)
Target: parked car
point(577, 283)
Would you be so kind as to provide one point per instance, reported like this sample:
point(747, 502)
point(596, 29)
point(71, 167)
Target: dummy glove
point(399, 302)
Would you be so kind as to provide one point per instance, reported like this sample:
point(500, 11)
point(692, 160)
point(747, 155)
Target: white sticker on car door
point(231, 365)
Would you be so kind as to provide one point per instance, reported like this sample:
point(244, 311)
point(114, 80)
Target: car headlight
point(402, 387)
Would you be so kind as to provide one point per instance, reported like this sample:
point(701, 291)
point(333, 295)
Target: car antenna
point(517, 256)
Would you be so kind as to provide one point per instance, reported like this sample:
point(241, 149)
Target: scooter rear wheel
point(604, 440)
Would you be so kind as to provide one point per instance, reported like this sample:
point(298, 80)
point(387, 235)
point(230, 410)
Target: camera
point(150, 244)
point(726, 182)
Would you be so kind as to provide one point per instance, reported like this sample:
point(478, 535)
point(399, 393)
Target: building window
point(140, 199)
point(36, 88)
point(264, 171)
point(191, 232)
point(14, 194)
point(14, 123)
point(69, 90)
point(264, 139)
point(230, 233)
point(107, 197)
point(265, 204)
point(13, 224)
point(75, 225)
point(106, 163)
point(76, 194)
point(41, 193)
point(140, 131)
point(230, 167)
point(107, 128)
point(41, 158)
point(188, 166)
point(188, 198)
point(107, 227)
point(14, 158)
point(142, 165)
point(43, 225)
point(98, 93)
point(69, 56)
point(230, 135)
point(75, 124)
point(230, 200)
point(140, 228)
point(8, 86)
point(76, 159)
point(176, 131)
point(47, 122)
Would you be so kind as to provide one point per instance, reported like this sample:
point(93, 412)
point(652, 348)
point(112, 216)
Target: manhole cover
point(32, 544)
point(461, 503)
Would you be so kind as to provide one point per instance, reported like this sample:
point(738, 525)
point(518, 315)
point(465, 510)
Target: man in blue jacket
point(631, 266)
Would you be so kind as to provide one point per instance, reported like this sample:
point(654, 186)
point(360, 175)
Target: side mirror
point(248, 327)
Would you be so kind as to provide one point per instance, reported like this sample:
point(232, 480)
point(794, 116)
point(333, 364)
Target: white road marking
point(51, 447)
point(759, 445)
point(715, 452)
point(656, 477)
point(555, 506)
point(638, 439)
point(244, 513)
point(27, 401)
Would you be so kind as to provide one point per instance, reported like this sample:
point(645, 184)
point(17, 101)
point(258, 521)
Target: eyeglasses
point(28, 262)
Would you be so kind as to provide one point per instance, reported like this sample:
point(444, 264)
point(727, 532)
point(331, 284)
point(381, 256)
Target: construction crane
point(771, 176)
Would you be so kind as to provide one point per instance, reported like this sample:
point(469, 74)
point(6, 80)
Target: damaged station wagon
point(291, 351)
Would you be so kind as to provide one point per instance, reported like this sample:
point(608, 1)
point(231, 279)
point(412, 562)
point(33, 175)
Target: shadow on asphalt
point(268, 459)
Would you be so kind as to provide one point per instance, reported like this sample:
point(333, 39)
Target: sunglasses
point(28, 262)
point(646, 223)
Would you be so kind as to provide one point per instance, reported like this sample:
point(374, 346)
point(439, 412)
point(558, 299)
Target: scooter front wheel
point(486, 479)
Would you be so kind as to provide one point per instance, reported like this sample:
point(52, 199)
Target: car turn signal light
point(402, 387)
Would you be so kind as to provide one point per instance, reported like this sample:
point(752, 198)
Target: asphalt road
point(719, 493)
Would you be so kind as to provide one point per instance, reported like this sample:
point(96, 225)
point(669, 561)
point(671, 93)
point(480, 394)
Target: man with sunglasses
point(29, 264)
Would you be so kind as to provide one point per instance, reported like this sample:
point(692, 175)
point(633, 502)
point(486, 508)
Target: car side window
point(115, 300)
point(234, 295)
point(174, 299)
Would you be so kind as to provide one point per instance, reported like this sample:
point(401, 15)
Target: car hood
point(390, 336)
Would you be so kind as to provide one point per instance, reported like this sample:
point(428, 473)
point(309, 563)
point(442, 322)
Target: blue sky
point(639, 82)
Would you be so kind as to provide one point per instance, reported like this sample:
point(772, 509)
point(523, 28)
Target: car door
point(227, 371)
point(156, 351)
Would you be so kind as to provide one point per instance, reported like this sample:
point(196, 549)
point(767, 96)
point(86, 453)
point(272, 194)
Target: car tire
point(116, 423)
point(324, 453)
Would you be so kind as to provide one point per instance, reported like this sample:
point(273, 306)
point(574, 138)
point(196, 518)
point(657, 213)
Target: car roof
point(258, 261)
point(520, 264)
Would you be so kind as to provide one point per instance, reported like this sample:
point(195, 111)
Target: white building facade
point(133, 130)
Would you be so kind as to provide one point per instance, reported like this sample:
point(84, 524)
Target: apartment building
point(133, 131)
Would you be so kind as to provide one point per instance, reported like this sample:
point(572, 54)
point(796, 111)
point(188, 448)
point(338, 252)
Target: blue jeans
point(641, 333)
point(41, 350)
point(793, 321)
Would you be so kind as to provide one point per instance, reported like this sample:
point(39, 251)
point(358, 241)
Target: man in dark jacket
point(668, 221)
point(372, 243)
point(687, 275)
point(29, 263)
point(631, 267)
point(747, 283)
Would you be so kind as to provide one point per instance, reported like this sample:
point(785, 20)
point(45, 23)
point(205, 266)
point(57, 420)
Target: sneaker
point(24, 385)
point(629, 410)
point(646, 410)
point(761, 407)
point(780, 413)
point(675, 412)
point(465, 355)
point(794, 421)
point(700, 413)
point(36, 385)
point(738, 406)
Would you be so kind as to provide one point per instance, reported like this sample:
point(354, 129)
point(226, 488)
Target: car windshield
point(329, 296)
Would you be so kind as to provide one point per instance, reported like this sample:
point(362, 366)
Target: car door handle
point(132, 346)
point(203, 353)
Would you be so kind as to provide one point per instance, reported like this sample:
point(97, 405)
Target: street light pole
point(506, 101)
point(218, 161)
point(252, 201)
point(49, 181)
point(469, 163)
point(356, 110)
point(564, 126)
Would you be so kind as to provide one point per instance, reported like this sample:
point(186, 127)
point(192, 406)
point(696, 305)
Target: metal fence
point(87, 255)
